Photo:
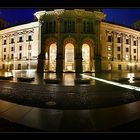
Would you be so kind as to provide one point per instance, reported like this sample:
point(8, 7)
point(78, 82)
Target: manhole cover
point(50, 103)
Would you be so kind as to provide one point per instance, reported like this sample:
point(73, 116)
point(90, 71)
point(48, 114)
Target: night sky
point(121, 16)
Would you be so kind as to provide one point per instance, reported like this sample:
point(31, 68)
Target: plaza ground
point(76, 102)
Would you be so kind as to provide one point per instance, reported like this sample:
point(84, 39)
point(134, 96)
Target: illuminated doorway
point(69, 57)
point(86, 57)
point(52, 57)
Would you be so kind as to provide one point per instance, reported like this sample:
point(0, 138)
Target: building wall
point(9, 47)
point(115, 52)
point(78, 25)
point(112, 47)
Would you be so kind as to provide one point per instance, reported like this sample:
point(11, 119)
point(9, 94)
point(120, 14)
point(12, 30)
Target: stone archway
point(88, 55)
point(50, 54)
point(69, 55)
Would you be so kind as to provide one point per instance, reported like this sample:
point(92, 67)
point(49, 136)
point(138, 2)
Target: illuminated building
point(70, 41)
point(19, 45)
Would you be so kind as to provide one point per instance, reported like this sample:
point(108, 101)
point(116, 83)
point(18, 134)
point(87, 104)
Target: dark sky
point(122, 16)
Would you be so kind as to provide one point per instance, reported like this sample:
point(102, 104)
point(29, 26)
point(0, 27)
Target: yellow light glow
point(114, 83)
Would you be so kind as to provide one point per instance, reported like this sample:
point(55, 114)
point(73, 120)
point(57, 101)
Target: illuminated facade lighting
point(70, 41)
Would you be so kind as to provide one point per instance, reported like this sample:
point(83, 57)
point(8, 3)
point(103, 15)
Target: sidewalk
point(53, 120)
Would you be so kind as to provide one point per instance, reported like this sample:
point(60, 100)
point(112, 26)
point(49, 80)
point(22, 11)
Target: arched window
point(69, 57)
point(86, 57)
point(52, 57)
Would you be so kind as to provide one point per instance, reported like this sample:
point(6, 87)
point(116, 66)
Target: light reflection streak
point(114, 83)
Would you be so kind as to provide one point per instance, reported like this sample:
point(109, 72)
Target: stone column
point(98, 48)
point(78, 49)
point(59, 57)
point(130, 52)
point(123, 47)
point(41, 56)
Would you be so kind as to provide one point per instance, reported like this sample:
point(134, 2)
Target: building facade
point(19, 47)
point(70, 41)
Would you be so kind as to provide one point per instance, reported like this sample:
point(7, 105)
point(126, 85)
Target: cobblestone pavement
point(67, 97)
point(77, 97)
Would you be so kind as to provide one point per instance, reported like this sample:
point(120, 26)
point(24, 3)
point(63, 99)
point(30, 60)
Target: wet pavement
point(86, 120)
point(68, 107)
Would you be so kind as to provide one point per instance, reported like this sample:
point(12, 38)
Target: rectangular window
point(20, 48)
point(20, 56)
point(119, 67)
point(118, 56)
point(109, 48)
point(19, 66)
point(127, 57)
point(4, 57)
point(118, 48)
point(29, 47)
point(12, 40)
point(4, 49)
point(127, 41)
point(109, 67)
point(12, 48)
point(127, 49)
point(4, 42)
point(12, 56)
point(135, 57)
point(29, 38)
point(109, 56)
point(119, 40)
point(20, 39)
point(109, 38)
point(134, 43)
point(134, 50)
point(29, 55)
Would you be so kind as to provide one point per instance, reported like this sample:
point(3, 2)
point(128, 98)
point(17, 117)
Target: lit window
point(109, 48)
point(109, 66)
point(29, 47)
point(109, 56)
point(127, 57)
point(29, 55)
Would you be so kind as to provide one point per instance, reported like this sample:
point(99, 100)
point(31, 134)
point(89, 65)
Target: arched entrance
point(69, 57)
point(86, 57)
point(52, 57)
